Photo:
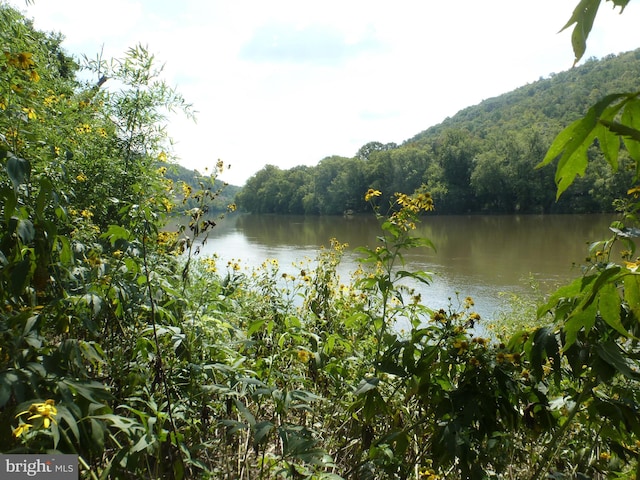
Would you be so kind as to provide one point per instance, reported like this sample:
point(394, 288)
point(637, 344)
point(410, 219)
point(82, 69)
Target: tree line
point(481, 160)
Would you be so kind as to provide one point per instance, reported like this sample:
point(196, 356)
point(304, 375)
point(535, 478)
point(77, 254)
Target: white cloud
point(288, 82)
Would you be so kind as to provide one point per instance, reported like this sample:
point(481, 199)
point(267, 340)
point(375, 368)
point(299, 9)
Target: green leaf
point(571, 145)
point(124, 424)
point(115, 233)
point(609, 143)
point(255, 326)
point(7, 380)
point(98, 433)
point(93, 301)
point(572, 290)
point(234, 426)
point(632, 294)
point(65, 251)
point(630, 128)
point(583, 16)
point(262, 430)
point(582, 318)
point(611, 353)
point(19, 275)
point(420, 276)
point(69, 419)
point(10, 201)
point(44, 195)
point(366, 384)
point(142, 444)
point(609, 307)
point(244, 411)
point(18, 170)
point(25, 231)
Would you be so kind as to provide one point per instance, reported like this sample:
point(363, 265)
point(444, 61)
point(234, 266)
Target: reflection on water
point(484, 257)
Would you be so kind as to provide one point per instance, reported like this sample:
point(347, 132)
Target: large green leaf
point(609, 307)
point(609, 141)
point(44, 195)
point(632, 294)
point(25, 231)
point(583, 17)
point(611, 353)
point(571, 145)
point(631, 122)
point(9, 200)
point(18, 170)
point(583, 318)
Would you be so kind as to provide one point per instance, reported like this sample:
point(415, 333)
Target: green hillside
point(223, 194)
point(482, 159)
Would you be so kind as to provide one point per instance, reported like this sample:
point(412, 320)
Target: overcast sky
point(290, 82)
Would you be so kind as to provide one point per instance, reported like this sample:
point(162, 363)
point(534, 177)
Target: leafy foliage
point(117, 343)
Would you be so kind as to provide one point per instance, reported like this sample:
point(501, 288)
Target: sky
point(290, 82)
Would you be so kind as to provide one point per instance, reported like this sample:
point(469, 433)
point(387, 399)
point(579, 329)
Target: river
point(489, 258)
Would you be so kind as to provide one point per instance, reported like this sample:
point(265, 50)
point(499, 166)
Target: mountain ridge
point(480, 160)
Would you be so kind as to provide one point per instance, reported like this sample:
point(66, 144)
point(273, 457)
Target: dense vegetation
point(195, 181)
point(480, 160)
point(119, 345)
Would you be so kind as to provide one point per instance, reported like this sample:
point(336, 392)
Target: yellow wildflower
point(167, 238)
point(220, 166)
point(84, 128)
point(22, 428)
point(425, 202)
point(633, 266)
point(304, 356)
point(81, 177)
point(210, 264)
point(371, 193)
point(20, 60)
point(46, 410)
point(186, 190)
point(33, 75)
point(461, 345)
point(162, 171)
point(439, 316)
point(86, 213)
point(231, 207)
point(167, 204)
point(162, 157)
point(480, 341)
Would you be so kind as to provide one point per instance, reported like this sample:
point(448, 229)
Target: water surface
point(485, 257)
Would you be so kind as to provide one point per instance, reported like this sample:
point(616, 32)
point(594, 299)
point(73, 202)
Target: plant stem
point(554, 446)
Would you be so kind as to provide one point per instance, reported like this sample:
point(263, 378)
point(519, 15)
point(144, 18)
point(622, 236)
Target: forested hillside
point(195, 181)
point(480, 160)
